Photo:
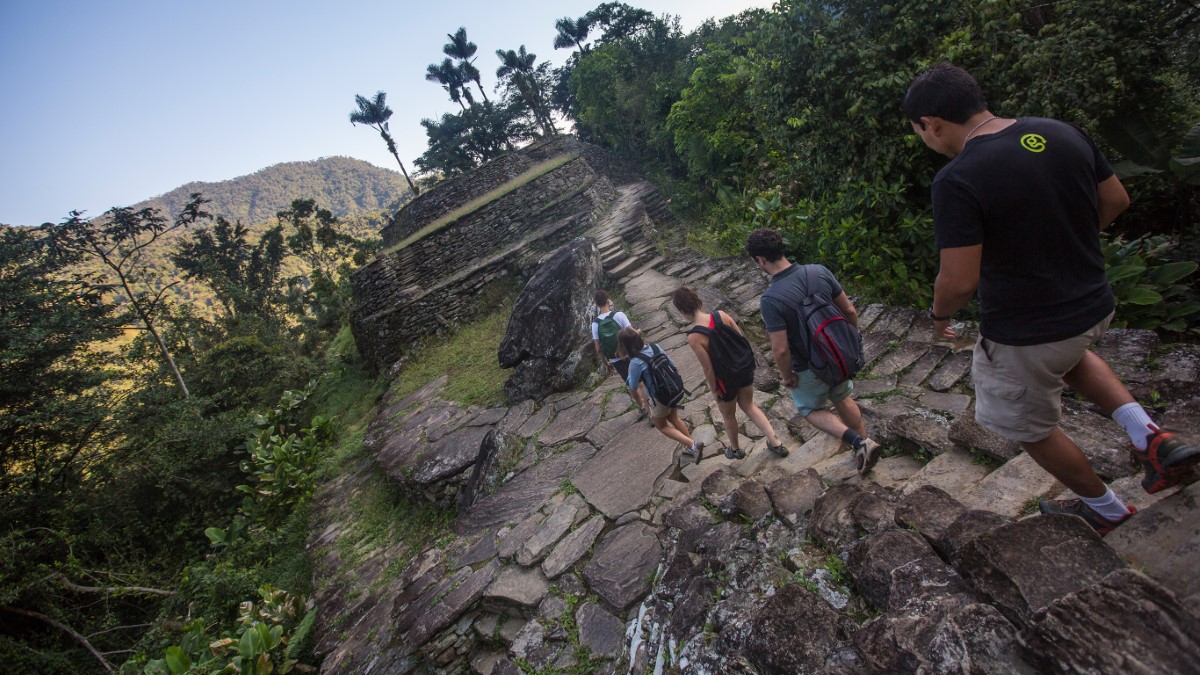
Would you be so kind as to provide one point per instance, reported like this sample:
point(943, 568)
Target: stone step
point(626, 267)
point(652, 264)
point(614, 259)
point(1013, 489)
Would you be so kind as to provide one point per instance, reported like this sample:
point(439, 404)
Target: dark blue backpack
point(668, 384)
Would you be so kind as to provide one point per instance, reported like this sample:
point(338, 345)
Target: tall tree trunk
point(141, 312)
point(392, 147)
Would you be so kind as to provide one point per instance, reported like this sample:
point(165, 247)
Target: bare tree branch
point(64, 628)
point(108, 589)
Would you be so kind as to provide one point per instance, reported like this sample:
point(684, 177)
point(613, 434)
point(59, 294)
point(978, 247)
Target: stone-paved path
point(600, 549)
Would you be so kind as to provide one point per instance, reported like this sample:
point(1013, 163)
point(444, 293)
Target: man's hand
point(608, 364)
point(789, 379)
point(943, 330)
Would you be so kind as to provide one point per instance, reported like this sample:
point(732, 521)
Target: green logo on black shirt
point(1033, 142)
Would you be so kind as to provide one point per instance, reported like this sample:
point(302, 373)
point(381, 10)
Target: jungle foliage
point(111, 471)
point(789, 118)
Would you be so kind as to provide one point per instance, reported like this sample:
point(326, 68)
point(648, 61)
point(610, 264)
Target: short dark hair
point(944, 91)
point(765, 243)
point(629, 341)
point(601, 298)
point(686, 300)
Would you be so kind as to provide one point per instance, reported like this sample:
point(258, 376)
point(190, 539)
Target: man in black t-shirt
point(1017, 214)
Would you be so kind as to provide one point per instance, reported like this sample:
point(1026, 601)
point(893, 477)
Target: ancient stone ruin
point(583, 544)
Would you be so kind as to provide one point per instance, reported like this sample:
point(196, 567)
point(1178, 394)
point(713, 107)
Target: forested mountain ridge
point(341, 184)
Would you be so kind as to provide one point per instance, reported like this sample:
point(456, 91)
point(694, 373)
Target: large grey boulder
point(548, 341)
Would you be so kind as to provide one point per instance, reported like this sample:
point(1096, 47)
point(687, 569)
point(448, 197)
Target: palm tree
point(451, 79)
point(572, 32)
point(459, 47)
point(518, 66)
point(375, 113)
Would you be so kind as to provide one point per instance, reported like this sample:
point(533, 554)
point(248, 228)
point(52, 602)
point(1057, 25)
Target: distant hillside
point(343, 185)
point(361, 195)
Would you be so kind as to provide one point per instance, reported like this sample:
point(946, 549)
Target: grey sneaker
point(780, 449)
point(734, 453)
point(866, 453)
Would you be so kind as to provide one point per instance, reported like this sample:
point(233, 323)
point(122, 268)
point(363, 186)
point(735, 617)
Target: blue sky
point(108, 103)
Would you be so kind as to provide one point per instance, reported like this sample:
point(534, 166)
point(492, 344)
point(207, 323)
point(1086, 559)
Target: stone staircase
point(594, 548)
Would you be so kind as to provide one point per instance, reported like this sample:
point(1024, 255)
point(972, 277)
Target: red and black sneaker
point(1076, 507)
point(1167, 460)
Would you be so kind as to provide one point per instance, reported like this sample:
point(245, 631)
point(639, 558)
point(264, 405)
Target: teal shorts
point(812, 394)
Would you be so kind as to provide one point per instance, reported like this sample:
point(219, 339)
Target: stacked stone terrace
point(433, 282)
point(587, 546)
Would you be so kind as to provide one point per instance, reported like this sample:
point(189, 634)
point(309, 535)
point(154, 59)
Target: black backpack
point(668, 385)
point(731, 354)
point(831, 343)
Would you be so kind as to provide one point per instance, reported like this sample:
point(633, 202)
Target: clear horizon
point(115, 103)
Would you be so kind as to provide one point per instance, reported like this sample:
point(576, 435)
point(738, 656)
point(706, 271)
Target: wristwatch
point(935, 317)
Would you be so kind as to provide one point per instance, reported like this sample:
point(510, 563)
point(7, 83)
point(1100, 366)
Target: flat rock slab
point(950, 371)
point(441, 605)
point(1024, 566)
point(650, 285)
point(894, 320)
point(876, 345)
point(524, 493)
point(903, 356)
point(1127, 623)
point(536, 421)
point(450, 456)
point(621, 477)
point(924, 366)
point(571, 424)
point(926, 429)
point(573, 547)
point(518, 587)
point(620, 569)
point(1164, 540)
point(954, 471)
point(517, 416)
point(954, 404)
point(1011, 489)
point(600, 631)
point(607, 430)
point(794, 495)
point(874, 386)
point(970, 434)
point(894, 471)
point(550, 530)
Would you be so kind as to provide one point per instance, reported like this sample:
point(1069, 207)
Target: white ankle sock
point(1133, 418)
point(1108, 505)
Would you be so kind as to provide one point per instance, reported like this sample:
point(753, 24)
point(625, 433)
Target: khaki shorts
point(659, 410)
point(1018, 390)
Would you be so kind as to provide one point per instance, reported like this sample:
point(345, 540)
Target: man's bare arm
point(1111, 200)
point(843, 303)
point(783, 357)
